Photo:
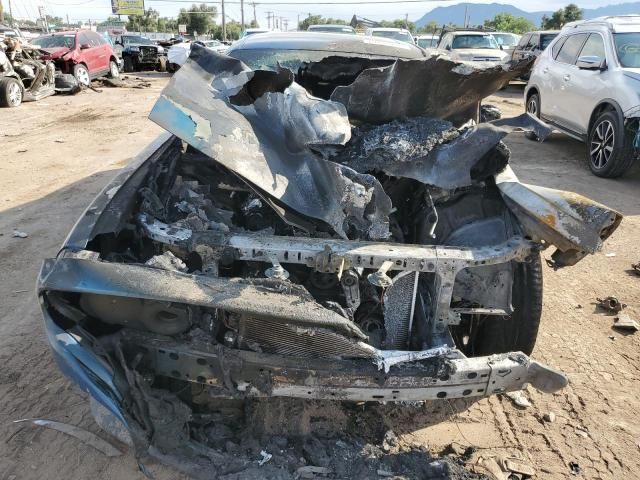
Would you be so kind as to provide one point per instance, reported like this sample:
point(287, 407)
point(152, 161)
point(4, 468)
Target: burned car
point(24, 75)
point(338, 230)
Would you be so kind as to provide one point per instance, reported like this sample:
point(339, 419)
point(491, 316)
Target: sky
point(100, 9)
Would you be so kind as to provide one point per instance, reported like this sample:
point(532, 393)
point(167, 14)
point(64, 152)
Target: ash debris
point(373, 147)
point(291, 439)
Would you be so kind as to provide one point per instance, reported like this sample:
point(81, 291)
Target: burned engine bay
point(276, 246)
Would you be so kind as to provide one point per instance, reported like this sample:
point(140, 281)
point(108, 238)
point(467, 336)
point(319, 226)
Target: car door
point(586, 87)
point(555, 104)
point(103, 51)
point(518, 52)
point(88, 53)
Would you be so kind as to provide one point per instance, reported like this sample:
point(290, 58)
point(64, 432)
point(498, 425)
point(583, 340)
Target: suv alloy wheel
point(610, 148)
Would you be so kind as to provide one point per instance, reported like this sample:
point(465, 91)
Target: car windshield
point(628, 49)
point(427, 42)
point(506, 39)
point(331, 29)
point(393, 34)
point(545, 39)
point(474, 41)
point(136, 39)
point(211, 43)
point(53, 41)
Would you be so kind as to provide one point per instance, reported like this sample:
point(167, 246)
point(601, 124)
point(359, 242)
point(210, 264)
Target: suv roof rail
point(607, 21)
point(479, 28)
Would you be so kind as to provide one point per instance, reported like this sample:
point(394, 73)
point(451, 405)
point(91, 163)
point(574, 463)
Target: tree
point(431, 27)
point(199, 18)
point(54, 21)
point(148, 22)
point(398, 23)
point(166, 25)
point(570, 13)
point(319, 20)
point(506, 22)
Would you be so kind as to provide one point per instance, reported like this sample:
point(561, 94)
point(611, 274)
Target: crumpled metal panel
point(433, 87)
point(571, 222)
point(268, 130)
point(433, 152)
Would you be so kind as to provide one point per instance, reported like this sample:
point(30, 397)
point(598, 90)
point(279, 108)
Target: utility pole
point(224, 24)
point(255, 19)
point(68, 24)
point(10, 14)
point(466, 10)
point(286, 25)
point(241, 16)
point(406, 21)
point(269, 19)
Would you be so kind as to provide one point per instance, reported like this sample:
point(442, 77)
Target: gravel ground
point(58, 153)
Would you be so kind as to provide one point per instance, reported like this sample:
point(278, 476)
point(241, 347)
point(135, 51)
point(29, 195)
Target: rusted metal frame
point(259, 375)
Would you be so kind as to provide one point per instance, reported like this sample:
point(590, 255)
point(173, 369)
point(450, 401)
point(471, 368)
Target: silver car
point(587, 84)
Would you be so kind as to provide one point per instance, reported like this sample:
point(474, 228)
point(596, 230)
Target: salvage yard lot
point(60, 152)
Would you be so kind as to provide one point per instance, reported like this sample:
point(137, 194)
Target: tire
point(10, 92)
point(533, 105)
point(162, 64)
point(609, 148)
point(128, 65)
point(518, 332)
point(114, 71)
point(81, 73)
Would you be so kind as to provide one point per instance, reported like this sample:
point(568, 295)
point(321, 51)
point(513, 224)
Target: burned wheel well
point(532, 91)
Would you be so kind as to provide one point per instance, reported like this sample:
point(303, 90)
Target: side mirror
point(84, 46)
point(590, 62)
point(448, 47)
point(501, 47)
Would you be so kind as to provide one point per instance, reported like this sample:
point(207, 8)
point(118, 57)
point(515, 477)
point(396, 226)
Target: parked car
point(427, 41)
point(84, 54)
point(507, 41)
point(332, 28)
point(177, 54)
point(586, 84)
point(532, 44)
point(399, 34)
point(214, 45)
point(140, 53)
point(8, 32)
point(471, 45)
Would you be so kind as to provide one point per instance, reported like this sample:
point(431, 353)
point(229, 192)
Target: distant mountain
point(479, 12)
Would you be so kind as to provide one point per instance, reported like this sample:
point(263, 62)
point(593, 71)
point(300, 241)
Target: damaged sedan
point(340, 229)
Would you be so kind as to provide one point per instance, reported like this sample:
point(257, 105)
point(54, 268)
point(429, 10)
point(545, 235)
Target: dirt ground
point(58, 153)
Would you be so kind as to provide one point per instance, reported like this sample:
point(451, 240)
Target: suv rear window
point(572, 46)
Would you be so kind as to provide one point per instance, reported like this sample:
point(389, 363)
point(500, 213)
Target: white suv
point(473, 46)
point(587, 84)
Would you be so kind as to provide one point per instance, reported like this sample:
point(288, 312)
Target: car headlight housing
point(134, 49)
point(160, 49)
